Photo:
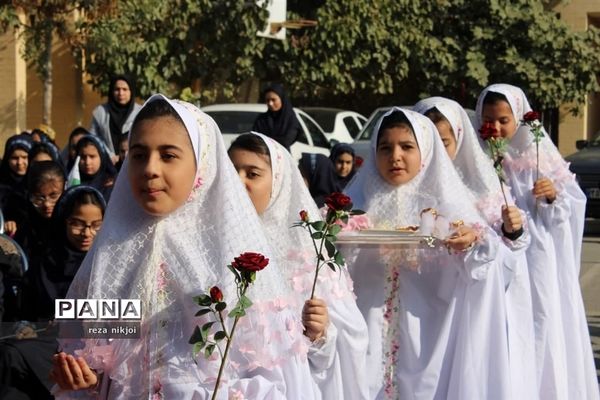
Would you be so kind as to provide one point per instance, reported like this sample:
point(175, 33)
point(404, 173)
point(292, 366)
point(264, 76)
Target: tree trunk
point(47, 118)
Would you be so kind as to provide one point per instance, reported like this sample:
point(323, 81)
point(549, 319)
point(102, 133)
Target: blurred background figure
point(343, 158)
point(279, 122)
point(319, 175)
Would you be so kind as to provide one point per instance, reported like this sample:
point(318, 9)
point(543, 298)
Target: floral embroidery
point(390, 330)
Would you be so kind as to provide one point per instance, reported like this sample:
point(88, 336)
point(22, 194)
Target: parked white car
point(236, 118)
point(340, 125)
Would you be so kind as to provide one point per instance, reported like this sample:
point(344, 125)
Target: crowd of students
point(495, 312)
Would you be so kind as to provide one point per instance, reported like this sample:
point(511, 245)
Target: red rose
point(304, 215)
point(488, 131)
point(358, 161)
point(531, 116)
point(250, 262)
point(338, 202)
point(216, 296)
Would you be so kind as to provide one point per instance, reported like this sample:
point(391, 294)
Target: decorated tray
point(393, 237)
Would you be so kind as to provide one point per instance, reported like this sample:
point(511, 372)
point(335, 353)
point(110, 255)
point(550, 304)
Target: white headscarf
point(473, 165)
point(437, 185)
point(165, 261)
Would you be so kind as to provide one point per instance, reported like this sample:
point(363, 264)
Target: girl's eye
point(137, 156)
point(168, 156)
point(253, 175)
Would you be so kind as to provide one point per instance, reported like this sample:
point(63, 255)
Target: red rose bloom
point(250, 262)
point(338, 202)
point(488, 131)
point(358, 161)
point(216, 296)
point(531, 116)
point(304, 215)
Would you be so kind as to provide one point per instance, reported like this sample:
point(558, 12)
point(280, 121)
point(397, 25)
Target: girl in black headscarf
point(44, 152)
point(95, 166)
point(342, 156)
point(13, 168)
point(69, 153)
point(279, 122)
point(114, 118)
point(319, 175)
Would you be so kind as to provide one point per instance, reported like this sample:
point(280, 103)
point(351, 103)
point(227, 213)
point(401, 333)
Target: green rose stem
point(229, 340)
point(492, 145)
point(319, 252)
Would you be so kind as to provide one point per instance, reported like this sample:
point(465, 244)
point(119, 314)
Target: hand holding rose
point(462, 239)
point(544, 188)
point(72, 374)
point(315, 319)
point(511, 219)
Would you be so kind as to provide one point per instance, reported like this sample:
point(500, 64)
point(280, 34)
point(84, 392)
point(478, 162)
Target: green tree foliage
point(171, 45)
point(396, 51)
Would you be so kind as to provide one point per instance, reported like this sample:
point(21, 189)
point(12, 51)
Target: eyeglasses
point(39, 201)
point(78, 227)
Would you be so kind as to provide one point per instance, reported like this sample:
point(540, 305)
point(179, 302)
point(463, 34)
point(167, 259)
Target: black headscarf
point(48, 148)
point(118, 112)
point(103, 179)
point(280, 125)
point(52, 272)
point(321, 176)
point(338, 149)
point(7, 176)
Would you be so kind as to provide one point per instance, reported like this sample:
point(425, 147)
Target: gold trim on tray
point(387, 237)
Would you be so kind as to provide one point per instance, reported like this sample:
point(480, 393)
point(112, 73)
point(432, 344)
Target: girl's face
point(121, 92)
point(343, 164)
point(273, 101)
point(255, 172)
point(398, 158)
point(82, 226)
point(501, 116)
point(45, 197)
point(447, 136)
point(162, 165)
point(73, 146)
point(90, 160)
point(18, 162)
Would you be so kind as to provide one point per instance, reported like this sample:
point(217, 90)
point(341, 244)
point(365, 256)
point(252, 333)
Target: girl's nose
point(151, 168)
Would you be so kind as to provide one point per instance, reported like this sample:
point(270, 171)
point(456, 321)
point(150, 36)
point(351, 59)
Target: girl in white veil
point(338, 359)
point(477, 172)
point(555, 206)
point(436, 320)
point(168, 237)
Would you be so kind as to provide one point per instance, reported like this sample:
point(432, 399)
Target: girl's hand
point(72, 374)
point(511, 219)
point(544, 188)
point(10, 228)
point(462, 239)
point(315, 319)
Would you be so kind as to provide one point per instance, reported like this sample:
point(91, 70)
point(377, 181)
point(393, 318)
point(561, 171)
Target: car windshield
point(367, 129)
point(596, 141)
point(234, 121)
point(325, 118)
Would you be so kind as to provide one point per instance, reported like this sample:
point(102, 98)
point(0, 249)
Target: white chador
point(437, 321)
point(563, 350)
point(477, 172)
point(339, 362)
point(165, 262)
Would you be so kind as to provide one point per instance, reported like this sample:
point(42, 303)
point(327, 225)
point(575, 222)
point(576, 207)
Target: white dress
point(563, 349)
point(477, 172)
point(165, 262)
point(338, 364)
point(437, 322)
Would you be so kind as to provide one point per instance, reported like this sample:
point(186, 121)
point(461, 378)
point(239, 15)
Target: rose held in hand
point(250, 262)
point(488, 131)
point(531, 116)
point(338, 202)
point(216, 296)
point(304, 216)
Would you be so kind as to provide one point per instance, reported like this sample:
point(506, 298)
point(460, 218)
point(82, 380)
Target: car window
point(352, 126)
point(302, 136)
point(367, 130)
point(362, 120)
point(315, 132)
point(234, 121)
point(325, 118)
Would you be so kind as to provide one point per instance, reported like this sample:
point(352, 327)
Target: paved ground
point(590, 284)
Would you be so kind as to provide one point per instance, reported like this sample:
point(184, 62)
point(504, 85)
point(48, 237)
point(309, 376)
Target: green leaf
point(220, 335)
point(196, 336)
point(203, 311)
point(203, 300)
point(344, 218)
point(332, 266)
point(317, 235)
point(318, 225)
point(357, 212)
point(221, 306)
point(334, 229)
point(339, 259)
point(237, 312)
point(236, 273)
point(209, 350)
point(197, 348)
point(330, 248)
point(205, 329)
point(245, 302)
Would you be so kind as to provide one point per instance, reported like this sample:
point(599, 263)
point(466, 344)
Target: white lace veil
point(437, 185)
point(473, 165)
point(165, 261)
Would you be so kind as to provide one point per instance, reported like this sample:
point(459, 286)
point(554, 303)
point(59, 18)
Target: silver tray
point(387, 237)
